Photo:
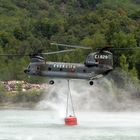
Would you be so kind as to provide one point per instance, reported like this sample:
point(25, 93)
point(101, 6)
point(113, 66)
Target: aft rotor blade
point(71, 46)
point(126, 48)
point(117, 49)
point(57, 52)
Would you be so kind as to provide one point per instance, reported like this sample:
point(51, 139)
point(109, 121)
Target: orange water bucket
point(71, 120)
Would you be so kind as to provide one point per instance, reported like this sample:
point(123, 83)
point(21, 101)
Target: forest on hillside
point(27, 26)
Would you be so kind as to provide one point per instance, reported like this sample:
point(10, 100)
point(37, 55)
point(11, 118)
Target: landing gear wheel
point(91, 83)
point(51, 82)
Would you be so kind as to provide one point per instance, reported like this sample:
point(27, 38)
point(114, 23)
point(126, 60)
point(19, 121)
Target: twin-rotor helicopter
point(96, 65)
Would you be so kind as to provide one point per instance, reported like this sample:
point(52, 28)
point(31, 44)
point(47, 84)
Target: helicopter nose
point(26, 70)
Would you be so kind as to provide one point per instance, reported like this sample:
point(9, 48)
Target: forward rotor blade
point(71, 46)
point(48, 53)
point(57, 52)
point(14, 54)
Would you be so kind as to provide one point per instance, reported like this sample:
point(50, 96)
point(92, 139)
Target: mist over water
point(107, 94)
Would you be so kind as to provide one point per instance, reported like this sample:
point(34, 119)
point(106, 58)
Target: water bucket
point(71, 120)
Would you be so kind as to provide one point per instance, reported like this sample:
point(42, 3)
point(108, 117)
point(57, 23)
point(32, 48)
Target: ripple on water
point(44, 125)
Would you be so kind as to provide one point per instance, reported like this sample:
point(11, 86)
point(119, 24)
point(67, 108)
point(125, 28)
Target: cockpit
point(34, 66)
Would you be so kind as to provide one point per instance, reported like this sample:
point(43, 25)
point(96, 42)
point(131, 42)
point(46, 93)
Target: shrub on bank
point(20, 96)
point(28, 96)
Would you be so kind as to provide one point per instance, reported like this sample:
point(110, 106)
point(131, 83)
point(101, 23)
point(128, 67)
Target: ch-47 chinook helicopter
point(96, 65)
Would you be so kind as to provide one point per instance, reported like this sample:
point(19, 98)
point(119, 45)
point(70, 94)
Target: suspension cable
point(69, 100)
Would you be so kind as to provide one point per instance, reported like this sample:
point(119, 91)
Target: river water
point(49, 125)
point(104, 111)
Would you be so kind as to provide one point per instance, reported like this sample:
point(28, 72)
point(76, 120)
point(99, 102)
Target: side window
point(91, 58)
point(38, 68)
point(49, 69)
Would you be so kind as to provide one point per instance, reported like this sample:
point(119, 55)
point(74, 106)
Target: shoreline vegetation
point(20, 94)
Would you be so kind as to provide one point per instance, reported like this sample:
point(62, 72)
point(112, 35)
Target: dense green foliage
point(29, 25)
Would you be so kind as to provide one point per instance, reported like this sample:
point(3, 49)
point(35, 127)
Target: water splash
point(104, 95)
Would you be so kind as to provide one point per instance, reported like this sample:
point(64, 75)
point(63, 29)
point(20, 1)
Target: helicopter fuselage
point(96, 65)
point(66, 70)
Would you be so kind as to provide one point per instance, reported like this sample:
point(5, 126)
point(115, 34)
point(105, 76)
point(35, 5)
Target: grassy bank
point(20, 98)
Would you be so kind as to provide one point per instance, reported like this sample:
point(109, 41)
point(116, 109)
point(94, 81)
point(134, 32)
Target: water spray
point(109, 94)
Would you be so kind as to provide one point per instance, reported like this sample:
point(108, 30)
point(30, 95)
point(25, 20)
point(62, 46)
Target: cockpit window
point(90, 58)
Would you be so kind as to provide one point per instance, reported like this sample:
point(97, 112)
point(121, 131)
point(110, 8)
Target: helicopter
point(97, 64)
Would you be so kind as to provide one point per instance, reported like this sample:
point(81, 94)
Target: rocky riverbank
point(12, 86)
point(20, 94)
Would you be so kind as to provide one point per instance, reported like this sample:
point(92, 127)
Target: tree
point(45, 28)
point(123, 63)
point(19, 34)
